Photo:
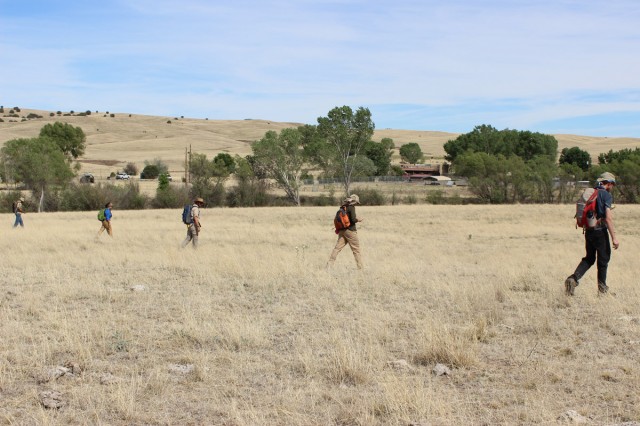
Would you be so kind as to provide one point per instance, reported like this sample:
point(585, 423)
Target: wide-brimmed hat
point(199, 200)
point(607, 177)
point(354, 199)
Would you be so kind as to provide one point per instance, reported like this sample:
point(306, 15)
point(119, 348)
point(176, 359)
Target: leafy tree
point(487, 139)
point(162, 166)
point(150, 171)
point(251, 191)
point(71, 140)
point(411, 153)
point(575, 156)
point(282, 157)
point(38, 163)
point(621, 155)
point(380, 155)
point(494, 178)
point(625, 164)
point(318, 152)
point(225, 162)
point(347, 132)
point(208, 177)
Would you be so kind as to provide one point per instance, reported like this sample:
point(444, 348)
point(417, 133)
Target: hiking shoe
point(602, 288)
point(570, 285)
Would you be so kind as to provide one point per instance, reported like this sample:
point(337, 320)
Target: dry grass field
point(252, 330)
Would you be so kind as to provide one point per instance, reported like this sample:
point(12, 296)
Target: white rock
point(441, 370)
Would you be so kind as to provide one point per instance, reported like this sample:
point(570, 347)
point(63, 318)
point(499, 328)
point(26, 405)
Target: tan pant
point(192, 236)
point(106, 225)
point(347, 237)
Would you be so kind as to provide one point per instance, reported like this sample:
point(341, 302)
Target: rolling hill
point(114, 139)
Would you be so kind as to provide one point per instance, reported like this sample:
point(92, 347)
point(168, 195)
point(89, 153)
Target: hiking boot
point(602, 289)
point(570, 285)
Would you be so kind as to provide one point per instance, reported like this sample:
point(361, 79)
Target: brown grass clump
point(252, 330)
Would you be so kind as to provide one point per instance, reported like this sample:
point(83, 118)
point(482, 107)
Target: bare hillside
point(113, 139)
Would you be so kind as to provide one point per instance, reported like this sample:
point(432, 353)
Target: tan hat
point(199, 200)
point(607, 177)
point(355, 199)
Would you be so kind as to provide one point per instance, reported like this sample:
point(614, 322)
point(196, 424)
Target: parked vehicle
point(122, 176)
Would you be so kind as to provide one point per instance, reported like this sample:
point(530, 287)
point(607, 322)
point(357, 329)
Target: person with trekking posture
point(105, 216)
point(18, 210)
point(191, 217)
point(346, 230)
point(596, 236)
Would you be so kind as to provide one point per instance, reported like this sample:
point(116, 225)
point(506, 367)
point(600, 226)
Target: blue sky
point(554, 66)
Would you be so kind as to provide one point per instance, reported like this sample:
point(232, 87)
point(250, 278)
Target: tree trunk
point(41, 200)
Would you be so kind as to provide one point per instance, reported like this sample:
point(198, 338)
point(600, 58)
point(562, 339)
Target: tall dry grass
point(252, 330)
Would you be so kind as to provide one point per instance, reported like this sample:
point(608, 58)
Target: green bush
point(249, 193)
point(150, 171)
point(92, 197)
point(171, 197)
point(370, 197)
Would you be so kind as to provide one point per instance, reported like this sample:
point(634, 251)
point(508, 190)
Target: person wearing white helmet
point(596, 238)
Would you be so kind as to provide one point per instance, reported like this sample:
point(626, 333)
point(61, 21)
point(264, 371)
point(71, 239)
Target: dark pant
point(598, 247)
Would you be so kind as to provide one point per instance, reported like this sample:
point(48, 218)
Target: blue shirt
point(604, 200)
point(107, 214)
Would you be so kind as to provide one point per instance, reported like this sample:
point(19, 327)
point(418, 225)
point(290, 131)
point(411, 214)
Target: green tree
point(318, 152)
point(208, 177)
point(150, 171)
point(575, 156)
point(282, 157)
point(347, 132)
point(507, 143)
point(380, 155)
point(71, 140)
point(39, 163)
point(411, 153)
point(623, 154)
point(160, 165)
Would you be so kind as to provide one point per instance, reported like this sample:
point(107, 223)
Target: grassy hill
point(114, 139)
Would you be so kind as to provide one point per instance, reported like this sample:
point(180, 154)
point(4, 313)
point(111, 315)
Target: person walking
point(18, 210)
point(597, 243)
point(106, 220)
point(350, 234)
point(194, 225)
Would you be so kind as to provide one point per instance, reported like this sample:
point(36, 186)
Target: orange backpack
point(341, 220)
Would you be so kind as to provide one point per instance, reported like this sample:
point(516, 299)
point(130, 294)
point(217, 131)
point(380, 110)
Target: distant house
point(420, 172)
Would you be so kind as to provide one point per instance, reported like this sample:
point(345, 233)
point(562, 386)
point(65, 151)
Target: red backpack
point(341, 220)
point(586, 209)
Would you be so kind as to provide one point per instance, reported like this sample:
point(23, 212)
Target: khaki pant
point(106, 225)
point(192, 236)
point(347, 237)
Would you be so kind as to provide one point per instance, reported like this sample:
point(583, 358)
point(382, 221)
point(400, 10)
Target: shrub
point(51, 114)
point(131, 169)
point(370, 197)
point(171, 197)
point(112, 115)
point(248, 193)
point(150, 171)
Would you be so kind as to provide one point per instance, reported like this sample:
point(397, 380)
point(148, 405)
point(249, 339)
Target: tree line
point(502, 166)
